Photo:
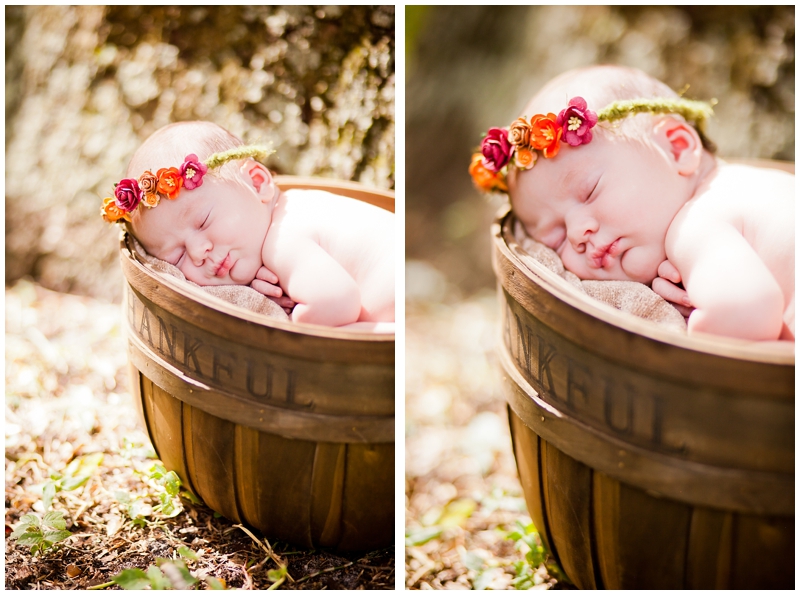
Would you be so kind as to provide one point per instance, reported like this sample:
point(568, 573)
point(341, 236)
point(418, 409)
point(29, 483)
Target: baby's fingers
point(266, 275)
point(673, 294)
point(669, 272)
point(268, 289)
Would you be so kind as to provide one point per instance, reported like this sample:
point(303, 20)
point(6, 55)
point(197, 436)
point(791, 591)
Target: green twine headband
point(519, 144)
point(167, 182)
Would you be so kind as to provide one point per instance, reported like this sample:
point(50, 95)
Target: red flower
point(127, 195)
point(576, 122)
point(496, 149)
point(545, 134)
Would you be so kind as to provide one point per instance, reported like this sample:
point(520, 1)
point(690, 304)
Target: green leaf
point(55, 519)
point(484, 578)
point(131, 579)
point(157, 471)
point(276, 574)
point(80, 470)
point(139, 508)
point(187, 553)
point(122, 497)
point(422, 535)
point(177, 574)
point(158, 582)
point(473, 561)
point(30, 539)
point(191, 497)
point(31, 520)
point(55, 536)
point(22, 528)
point(216, 584)
point(172, 483)
point(73, 483)
point(456, 512)
point(48, 493)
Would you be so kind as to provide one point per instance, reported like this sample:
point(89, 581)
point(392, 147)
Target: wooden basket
point(286, 427)
point(648, 458)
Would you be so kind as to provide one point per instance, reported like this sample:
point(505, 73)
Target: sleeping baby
point(202, 203)
point(634, 192)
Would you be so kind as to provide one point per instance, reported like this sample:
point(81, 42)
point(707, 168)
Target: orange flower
point(484, 179)
point(169, 182)
point(524, 158)
point(150, 200)
point(111, 212)
point(545, 134)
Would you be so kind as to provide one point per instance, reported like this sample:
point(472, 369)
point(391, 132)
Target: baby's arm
point(733, 291)
point(324, 291)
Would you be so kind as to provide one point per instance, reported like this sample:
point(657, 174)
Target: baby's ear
point(260, 178)
point(680, 141)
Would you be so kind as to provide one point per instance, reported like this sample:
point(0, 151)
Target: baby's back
point(357, 235)
point(759, 203)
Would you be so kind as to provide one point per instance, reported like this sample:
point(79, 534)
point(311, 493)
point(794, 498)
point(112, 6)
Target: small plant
point(41, 534)
point(169, 501)
point(167, 486)
point(75, 474)
point(528, 542)
point(165, 575)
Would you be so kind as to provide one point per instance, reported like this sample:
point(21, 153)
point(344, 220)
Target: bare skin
point(332, 255)
point(663, 211)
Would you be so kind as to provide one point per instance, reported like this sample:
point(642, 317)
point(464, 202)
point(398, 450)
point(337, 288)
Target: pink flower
point(496, 149)
point(127, 195)
point(576, 122)
point(192, 170)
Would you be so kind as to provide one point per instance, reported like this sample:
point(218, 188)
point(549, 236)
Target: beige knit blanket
point(626, 296)
point(239, 295)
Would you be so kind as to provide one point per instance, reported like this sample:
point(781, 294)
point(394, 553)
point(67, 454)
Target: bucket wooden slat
point(286, 427)
point(568, 497)
point(687, 442)
point(648, 547)
point(708, 561)
point(527, 454)
point(327, 492)
point(210, 448)
point(366, 483)
point(165, 425)
point(281, 475)
point(773, 539)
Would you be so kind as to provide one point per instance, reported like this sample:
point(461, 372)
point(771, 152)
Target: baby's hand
point(667, 286)
point(266, 282)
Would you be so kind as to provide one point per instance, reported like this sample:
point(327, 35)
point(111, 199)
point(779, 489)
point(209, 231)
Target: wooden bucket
point(286, 427)
point(649, 459)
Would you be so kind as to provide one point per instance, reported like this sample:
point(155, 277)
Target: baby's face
point(604, 207)
point(214, 234)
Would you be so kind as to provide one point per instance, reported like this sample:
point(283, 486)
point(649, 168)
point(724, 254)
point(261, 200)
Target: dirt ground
point(463, 497)
point(67, 399)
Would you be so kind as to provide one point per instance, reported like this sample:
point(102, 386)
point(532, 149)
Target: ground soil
point(67, 397)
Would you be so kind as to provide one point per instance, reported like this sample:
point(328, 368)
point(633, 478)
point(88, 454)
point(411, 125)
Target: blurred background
point(470, 68)
point(85, 85)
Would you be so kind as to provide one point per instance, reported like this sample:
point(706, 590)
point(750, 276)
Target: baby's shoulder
point(734, 182)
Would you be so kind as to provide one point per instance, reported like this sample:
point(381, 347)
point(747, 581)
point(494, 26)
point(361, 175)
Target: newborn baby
point(221, 220)
point(631, 192)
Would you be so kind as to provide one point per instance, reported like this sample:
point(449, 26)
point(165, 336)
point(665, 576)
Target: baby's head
point(596, 174)
point(195, 198)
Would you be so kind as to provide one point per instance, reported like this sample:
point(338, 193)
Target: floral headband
point(519, 144)
point(167, 182)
